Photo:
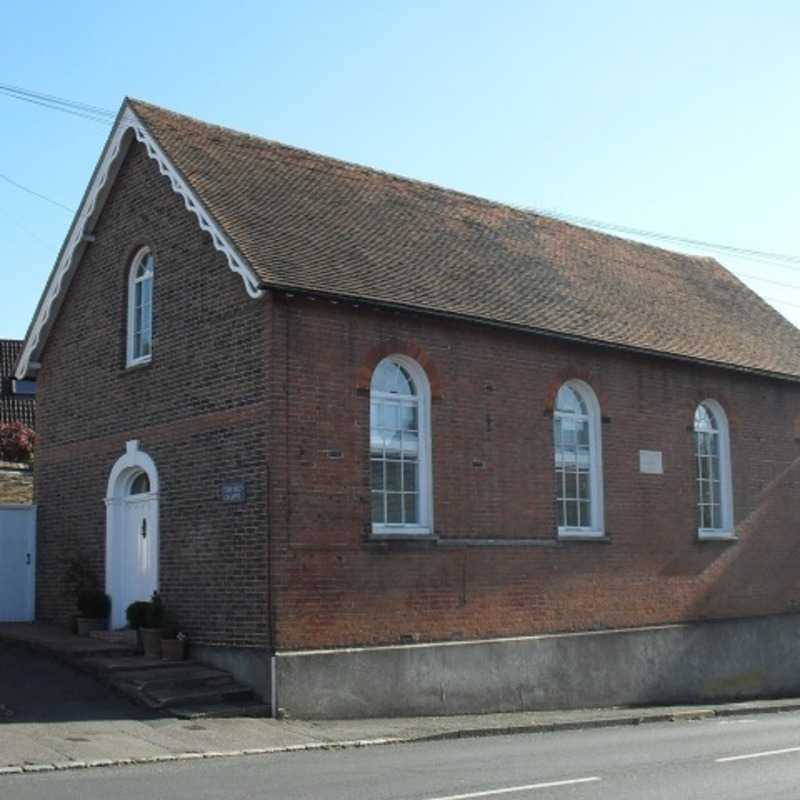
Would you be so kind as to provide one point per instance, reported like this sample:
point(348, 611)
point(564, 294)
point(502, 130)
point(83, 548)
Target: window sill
point(579, 535)
point(380, 533)
point(716, 536)
point(136, 365)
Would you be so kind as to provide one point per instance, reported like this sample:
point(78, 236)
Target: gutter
point(310, 294)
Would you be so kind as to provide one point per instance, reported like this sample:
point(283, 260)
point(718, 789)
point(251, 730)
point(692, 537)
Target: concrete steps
point(180, 685)
point(125, 638)
point(184, 689)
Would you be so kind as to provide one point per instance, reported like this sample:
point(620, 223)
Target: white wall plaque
point(650, 462)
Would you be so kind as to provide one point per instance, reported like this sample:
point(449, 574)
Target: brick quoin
point(275, 392)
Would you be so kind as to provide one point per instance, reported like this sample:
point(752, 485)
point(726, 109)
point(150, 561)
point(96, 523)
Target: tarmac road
point(744, 757)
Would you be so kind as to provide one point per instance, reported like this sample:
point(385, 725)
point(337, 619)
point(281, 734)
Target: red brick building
point(374, 440)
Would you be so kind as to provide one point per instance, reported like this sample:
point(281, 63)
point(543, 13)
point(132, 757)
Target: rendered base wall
point(701, 662)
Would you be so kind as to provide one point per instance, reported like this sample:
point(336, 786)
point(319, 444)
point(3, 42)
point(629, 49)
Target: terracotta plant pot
point(151, 641)
point(173, 649)
point(87, 624)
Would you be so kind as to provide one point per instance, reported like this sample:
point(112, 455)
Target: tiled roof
point(9, 353)
point(311, 223)
point(13, 408)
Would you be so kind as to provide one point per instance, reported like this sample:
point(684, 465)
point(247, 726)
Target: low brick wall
point(16, 483)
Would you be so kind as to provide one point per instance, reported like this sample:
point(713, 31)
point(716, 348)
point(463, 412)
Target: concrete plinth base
point(700, 662)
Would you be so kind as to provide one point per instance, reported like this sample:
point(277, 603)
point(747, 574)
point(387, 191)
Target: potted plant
point(93, 608)
point(173, 642)
point(78, 577)
point(137, 614)
point(150, 631)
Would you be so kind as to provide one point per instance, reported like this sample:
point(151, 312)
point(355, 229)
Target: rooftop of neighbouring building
point(17, 398)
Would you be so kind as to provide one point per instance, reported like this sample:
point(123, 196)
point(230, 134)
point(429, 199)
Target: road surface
point(741, 757)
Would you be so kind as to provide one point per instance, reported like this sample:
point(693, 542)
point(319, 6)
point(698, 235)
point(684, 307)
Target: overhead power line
point(36, 194)
point(106, 117)
point(780, 302)
point(731, 250)
point(33, 235)
point(55, 103)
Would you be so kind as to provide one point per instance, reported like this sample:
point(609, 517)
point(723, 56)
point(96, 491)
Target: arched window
point(579, 471)
point(712, 455)
point(140, 308)
point(400, 467)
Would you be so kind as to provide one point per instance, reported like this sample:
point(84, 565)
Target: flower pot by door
point(151, 641)
point(173, 649)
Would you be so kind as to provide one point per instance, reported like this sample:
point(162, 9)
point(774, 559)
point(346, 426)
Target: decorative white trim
point(134, 461)
point(81, 230)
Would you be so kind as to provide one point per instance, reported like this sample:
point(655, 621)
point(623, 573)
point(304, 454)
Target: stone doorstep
point(161, 694)
point(104, 663)
point(126, 638)
point(188, 674)
point(161, 684)
point(178, 695)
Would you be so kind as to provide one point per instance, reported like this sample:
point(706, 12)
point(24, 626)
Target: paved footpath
point(53, 718)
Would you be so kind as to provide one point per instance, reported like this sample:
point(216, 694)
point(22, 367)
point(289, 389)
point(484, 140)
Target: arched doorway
point(131, 531)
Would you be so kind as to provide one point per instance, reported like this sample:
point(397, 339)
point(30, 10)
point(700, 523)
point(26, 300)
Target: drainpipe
point(273, 688)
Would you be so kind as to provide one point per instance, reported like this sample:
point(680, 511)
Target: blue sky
point(675, 117)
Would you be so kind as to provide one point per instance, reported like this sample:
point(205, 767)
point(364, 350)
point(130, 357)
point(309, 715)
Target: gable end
point(127, 127)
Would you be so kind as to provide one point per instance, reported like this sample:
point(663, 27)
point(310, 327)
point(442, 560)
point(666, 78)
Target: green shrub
point(137, 614)
point(157, 613)
point(93, 603)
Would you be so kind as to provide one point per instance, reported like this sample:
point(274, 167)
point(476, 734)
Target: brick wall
point(493, 478)
point(198, 409)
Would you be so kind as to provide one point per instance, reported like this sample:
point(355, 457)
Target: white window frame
point(132, 359)
point(425, 479)
point(726, 530)
point(594, 418)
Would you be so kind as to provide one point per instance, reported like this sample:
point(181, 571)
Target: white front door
point(138, 555)
point(131, 532)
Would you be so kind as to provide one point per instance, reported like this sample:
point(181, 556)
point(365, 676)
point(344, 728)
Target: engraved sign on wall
point(650, 462)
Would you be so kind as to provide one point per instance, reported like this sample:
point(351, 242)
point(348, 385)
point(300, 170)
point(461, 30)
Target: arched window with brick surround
point(400, 448)
point(713, 465)
point(578, 461)
point(140, 308)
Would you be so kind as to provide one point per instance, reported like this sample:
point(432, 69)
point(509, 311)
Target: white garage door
point(17, 563)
